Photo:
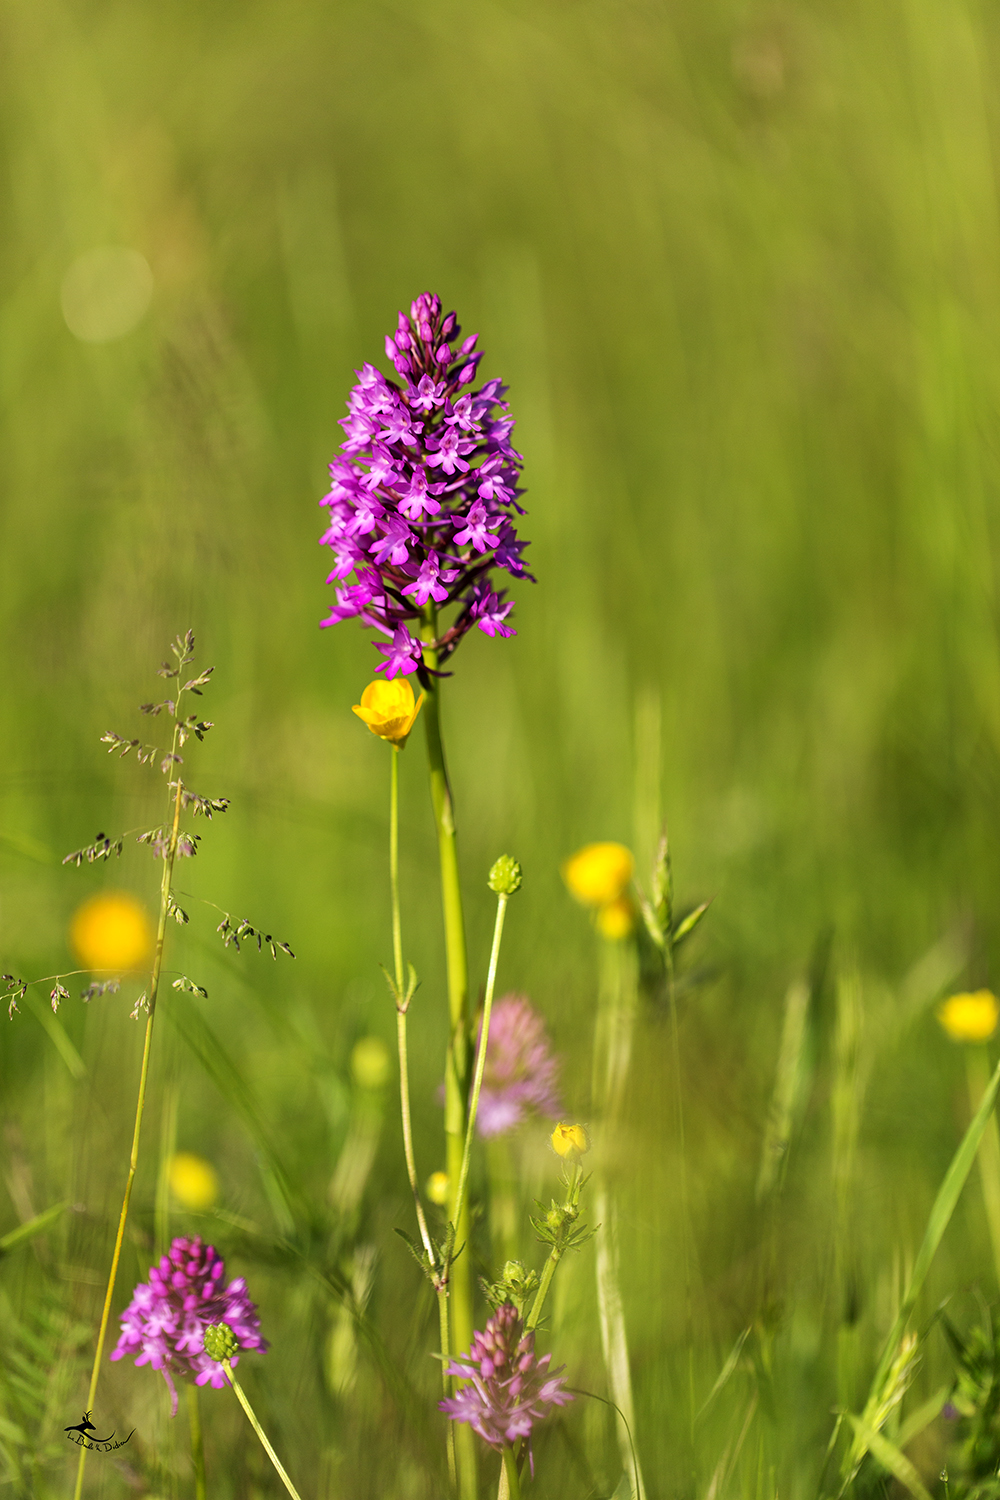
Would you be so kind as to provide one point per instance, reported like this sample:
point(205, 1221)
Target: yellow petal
point(599, 873)
point(193, 1180)
point(970, 1017)
point(112, 931)
point(570, 1140)
point(616, 919)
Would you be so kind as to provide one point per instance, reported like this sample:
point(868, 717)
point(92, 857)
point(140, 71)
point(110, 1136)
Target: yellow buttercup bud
point(437, 1188)
point(970, 1017)
point(112, 931)
point(616, 920)
point(570, 1140)
point(192, 1180)
point(370, 1062)
point(388, 709)
point(599, 873)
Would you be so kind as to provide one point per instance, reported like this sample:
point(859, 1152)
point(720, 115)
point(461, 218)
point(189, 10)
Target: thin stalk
point(154, 986)
point(440, 1284)
point(675, 1043)
point(397, 927)
point(555, 1255)
point(509, 1472)
point(197, 1444)
point(477, 1082)
point(978, 1074)
point(258, 1429)
point(612, 1058)
point(456, 1077)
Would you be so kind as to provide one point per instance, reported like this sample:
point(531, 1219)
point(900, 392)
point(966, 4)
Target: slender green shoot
point(258, 1429)
point(477, 1082)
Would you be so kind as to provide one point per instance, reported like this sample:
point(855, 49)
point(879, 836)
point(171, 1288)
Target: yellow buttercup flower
point(192, 1180)
point(112, 931)
point(616, 920)
point(388, 709)
point(970, 1017)
point(437, 1188)
point(570, 1140)
point(599, 874)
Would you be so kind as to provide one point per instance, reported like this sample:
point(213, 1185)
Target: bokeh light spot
point(106, 293)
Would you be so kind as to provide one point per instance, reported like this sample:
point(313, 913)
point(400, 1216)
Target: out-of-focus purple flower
point(423, 495)
point(510, 1388)
point(166, 1320)
point(520, 1072)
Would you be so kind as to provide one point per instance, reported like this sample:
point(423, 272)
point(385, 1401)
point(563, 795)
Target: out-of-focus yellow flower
point(193, 1181)
point(112, 931)
point(570, 1140)
point(388, 709)
point(616, 920)
point(370, 1062)
point(437, 1188)
point(970, 1017)
point(598, 873)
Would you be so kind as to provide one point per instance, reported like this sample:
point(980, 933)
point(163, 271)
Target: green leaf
point(890, 1457)
point(685, 927)
point(31, 1227)
point(940, 1216)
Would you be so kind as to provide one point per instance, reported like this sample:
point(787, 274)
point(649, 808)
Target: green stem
point(197, 1445)
point(510, 1474)
point(555, 1255)
point(154, 986)
point(258, 1429)
point(402, 1009)
point(612, 1058)
point(978, 1074)
point(397, 929)
point(477, 1082)
point(456, 1077)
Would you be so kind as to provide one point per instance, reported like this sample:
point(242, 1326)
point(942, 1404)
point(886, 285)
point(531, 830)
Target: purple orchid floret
point(520, 1072)
point(510, 1388)
point(423, 495)
point(166, 1320)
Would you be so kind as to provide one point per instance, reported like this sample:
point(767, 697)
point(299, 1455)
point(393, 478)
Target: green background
point(739, 266)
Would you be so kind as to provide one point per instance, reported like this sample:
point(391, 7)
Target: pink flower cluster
point(165, 1322)
point(510, 1388)
point(423, 494)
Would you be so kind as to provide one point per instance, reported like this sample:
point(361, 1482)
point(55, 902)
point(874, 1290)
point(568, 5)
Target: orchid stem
point(258, 1429)
point(457, 1056)
point(402, 1009)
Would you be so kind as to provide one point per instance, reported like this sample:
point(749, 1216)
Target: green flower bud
point(220, 1341)
point(505, 876)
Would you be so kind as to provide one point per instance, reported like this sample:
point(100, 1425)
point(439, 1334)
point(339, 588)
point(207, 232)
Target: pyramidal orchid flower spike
point(165, 1323)
point(520, 1069)
point(423, 495)
point(510, 1388)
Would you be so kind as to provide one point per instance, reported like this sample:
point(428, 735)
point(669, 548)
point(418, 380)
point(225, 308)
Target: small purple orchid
point(423, 495)
point(510, 1388)
point(520, 1072)
point(167, 1317)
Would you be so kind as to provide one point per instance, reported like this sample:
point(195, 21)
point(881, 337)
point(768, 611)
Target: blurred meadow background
point(739, 263)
